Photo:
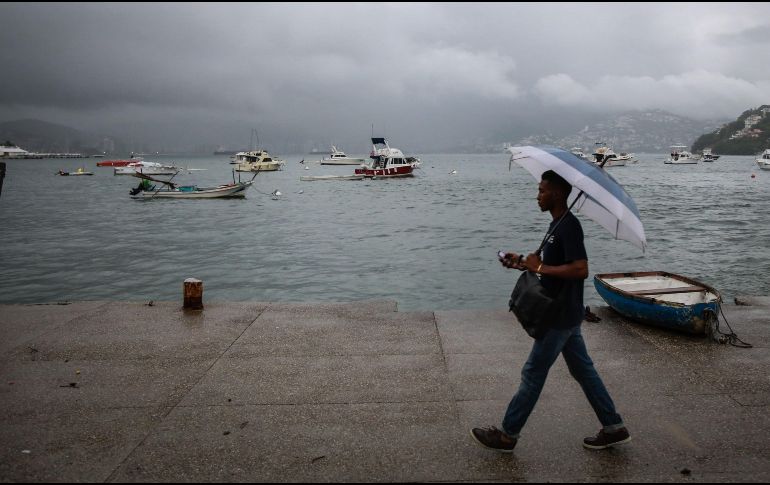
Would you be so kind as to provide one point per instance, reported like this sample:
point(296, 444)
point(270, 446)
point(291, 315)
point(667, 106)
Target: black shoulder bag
point(533, 305)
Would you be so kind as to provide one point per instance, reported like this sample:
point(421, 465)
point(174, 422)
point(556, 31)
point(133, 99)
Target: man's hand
point(532, 262)
point(511, 260)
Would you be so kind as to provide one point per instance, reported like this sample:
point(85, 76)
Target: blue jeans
point(568, 342)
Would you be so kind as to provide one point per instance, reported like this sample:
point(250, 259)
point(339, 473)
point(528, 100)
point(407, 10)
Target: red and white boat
point(115, 163)
point(147, 168)
point(120, 163)
point(386, 162)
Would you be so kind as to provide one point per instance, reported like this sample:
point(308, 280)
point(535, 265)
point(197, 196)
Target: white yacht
point(763, 160)
point(257, 161)
point(680, 156)
point(338, 157)
point(708, 156)
point(612, 160)
point(578, 152)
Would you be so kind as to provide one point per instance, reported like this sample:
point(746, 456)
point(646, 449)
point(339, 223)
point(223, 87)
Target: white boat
point(195, 192)
point(338, 157)
point(257, 161)
point(578, 152)
point(680, 156)
point(387, 162)
point(763, 160)
point(626, 158)
point(147, 168)
point(169, 190)
point(708, 156)
point(609, 157)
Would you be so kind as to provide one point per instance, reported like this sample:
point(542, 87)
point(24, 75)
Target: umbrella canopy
point(602, 198)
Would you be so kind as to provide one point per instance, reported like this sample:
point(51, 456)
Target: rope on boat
point(721, 337)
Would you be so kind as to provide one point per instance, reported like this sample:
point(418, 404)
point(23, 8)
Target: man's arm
point(576, 270)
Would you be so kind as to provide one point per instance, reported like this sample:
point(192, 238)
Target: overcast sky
point(421, 72)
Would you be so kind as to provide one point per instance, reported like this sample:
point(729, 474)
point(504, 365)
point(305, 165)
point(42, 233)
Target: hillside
point(639, 131)
point(748, 135)
point(45, 137)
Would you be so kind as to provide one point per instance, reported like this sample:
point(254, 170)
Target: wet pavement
point(245, 391)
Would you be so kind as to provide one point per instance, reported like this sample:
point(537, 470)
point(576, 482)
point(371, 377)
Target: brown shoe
point(494, 439)
point(605, 440)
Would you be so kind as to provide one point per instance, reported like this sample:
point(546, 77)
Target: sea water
point(429, 242)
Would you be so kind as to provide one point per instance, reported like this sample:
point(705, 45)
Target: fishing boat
point(80, 171)
point(578, 152)
point(763, 160)
point(257, 161)
point(387, 162)
point(680, 156)
point(338, 157)
point(608, 156)
point(708, 156)
point(661, 299)
point(147, 191)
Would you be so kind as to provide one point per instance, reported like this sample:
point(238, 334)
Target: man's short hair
point(557, 181)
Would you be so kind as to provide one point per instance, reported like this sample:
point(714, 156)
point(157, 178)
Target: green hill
point(728, 141)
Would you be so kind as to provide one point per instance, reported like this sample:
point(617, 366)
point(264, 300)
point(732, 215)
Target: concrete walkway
point(97, 391)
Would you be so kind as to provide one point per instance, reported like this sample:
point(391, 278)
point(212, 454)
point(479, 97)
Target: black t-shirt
point(564, 246)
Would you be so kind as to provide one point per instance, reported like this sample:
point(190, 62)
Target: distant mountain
point(748, 135)
point(45, 137)
point(642, 131)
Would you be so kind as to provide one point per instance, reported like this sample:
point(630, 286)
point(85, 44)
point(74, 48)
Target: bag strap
point(550, 231)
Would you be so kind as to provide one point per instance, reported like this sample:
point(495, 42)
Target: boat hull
point(259, 167)
point(657, 309)
point(393, 172)
point(763, 165)
point(225, 191)
point(342, 161)
point(145, 170)
point(115, 163)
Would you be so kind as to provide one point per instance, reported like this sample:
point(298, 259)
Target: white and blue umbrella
point(601, 197)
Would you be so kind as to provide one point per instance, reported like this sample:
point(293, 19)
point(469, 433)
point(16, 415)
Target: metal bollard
point(2, 176)
point(193, 294)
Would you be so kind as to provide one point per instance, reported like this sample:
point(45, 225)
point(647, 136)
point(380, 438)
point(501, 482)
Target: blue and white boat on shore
point(661, 299)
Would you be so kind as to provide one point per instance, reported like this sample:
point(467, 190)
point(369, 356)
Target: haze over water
point(428, 242)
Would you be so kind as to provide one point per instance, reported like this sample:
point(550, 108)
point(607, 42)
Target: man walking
point(563, 268)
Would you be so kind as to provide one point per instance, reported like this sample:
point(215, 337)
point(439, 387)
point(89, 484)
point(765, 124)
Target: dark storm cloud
point(423, 71)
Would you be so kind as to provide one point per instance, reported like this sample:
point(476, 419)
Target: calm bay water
point(428, 242)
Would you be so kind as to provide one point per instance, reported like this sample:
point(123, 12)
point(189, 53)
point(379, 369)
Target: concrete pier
point(121, 391)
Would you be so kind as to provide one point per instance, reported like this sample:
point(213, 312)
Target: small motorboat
point(147, 191)
point(338, 157)
point(661, 299)
point(80, 171)
point(763, 160)
point(708, 156)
